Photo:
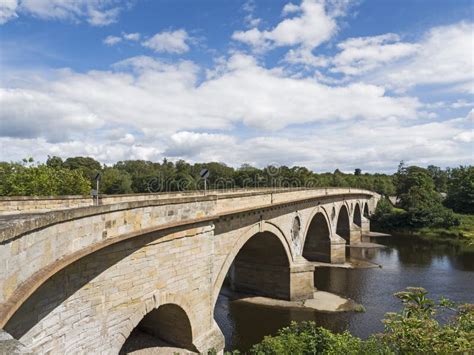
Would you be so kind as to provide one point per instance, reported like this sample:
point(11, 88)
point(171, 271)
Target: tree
point(417, 194)
point(143, 173)
point(115, 181)
point(460, 196)
point(54, 162)
point(415, 188)
point(87, 165)
point(40, 180)
point(357, 172)
point(440, 178)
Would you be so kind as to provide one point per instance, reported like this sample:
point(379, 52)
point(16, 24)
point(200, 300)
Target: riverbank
point(461, 236)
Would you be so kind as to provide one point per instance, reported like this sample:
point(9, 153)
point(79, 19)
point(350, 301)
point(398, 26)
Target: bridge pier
point(337, 250)
point(355, 234)
point(365, 225)
point(291, 283)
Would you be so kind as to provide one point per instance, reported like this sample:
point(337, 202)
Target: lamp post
point(97, 179)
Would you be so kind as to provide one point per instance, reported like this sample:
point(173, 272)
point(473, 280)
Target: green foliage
point(460, 196)
point(421, 203)
point(413, 330)
point(55, 162)
point(415, 188)
point(140, 176)
point(20, 179)
point(307, 338)
point(440, 178)
point(88, 166)
point(416, 329)
point(115, 181)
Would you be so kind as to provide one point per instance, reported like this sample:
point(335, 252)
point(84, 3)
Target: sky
point(324, 84)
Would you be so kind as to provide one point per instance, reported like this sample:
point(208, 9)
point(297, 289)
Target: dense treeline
point(420, 202)
point(139, 176)
point(417, 188)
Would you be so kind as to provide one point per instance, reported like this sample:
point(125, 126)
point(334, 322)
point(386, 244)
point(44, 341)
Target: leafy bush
point(414, 330)
point(28, 179)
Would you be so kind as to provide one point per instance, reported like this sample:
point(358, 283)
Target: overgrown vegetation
point(416, 329)
point(139, 176)
point(26, 179)
point(422, 209)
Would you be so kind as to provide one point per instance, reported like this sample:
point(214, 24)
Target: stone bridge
point(76, 278)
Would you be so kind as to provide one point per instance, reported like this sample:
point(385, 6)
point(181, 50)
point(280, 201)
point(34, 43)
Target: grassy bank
point(462, 235)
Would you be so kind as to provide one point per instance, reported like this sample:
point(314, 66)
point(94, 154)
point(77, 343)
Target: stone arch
point(52, 298)
point(366, 210)
point(317, 242)
point(258, 229)
point(343, 227)
point(170, 323)
point(357, 218)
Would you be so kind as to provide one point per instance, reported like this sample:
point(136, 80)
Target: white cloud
point(8, 10)
point(199, 146)
point(112, 40)
point(364, 54)
point(95, 12)
point(466, 137)
point(444, 57)
point(35, 112)
point(158, 99)
point(290, 8)
point(461, 104)
point(171, 42)
point(306, 57)
point(249, 8)
point(311, 27)
point(132, 36)
point(371, 146)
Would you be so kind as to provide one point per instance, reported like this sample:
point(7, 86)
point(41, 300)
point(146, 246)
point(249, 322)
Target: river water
point(441, 269)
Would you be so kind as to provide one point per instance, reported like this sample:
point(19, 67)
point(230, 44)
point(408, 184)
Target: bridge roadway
point(77, 278)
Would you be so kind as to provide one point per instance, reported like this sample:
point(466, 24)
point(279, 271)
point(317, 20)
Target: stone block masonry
point(79, 280)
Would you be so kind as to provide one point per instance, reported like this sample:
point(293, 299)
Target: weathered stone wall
point(10, 346)
point(40, 204)
point(92, 305)
point(32, 204)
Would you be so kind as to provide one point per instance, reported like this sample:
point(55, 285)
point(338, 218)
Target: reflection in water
point(443, 270)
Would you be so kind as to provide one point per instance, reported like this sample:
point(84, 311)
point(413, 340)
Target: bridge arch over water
point(317, 243)
point(343, 226)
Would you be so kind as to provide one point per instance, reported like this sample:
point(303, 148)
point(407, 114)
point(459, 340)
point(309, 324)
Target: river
point(406, 261)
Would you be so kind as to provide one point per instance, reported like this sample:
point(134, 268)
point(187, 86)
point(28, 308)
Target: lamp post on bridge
point(96, 191)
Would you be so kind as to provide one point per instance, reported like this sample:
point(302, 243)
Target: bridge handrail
point(15, 225)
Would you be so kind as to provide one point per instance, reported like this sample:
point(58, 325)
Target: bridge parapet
point(10, 205)
point(21, 222)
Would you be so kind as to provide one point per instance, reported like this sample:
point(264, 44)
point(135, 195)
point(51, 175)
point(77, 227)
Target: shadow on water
point(443, 270)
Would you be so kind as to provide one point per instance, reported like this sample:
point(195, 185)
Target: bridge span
point(76, 278)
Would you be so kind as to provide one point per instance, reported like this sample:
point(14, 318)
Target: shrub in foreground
point(416, 329)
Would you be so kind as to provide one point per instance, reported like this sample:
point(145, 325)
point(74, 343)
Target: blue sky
point(325, 84)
